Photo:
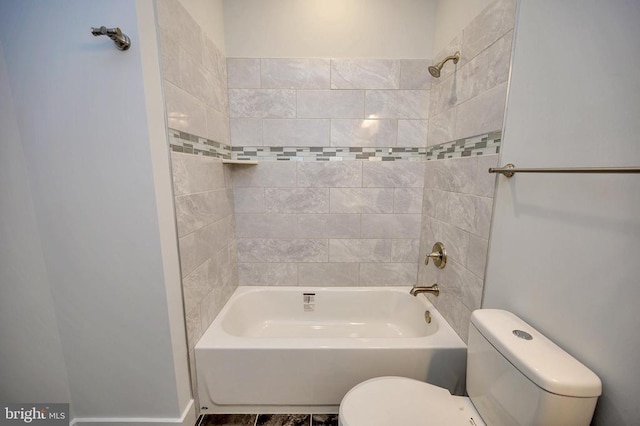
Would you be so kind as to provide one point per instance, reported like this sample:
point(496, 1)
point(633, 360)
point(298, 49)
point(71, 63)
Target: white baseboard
point(188, 418)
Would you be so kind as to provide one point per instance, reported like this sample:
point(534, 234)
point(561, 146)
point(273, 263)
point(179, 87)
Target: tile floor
point(268, 420)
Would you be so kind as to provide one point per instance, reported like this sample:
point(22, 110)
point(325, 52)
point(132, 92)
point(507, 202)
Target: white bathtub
point(264, 353)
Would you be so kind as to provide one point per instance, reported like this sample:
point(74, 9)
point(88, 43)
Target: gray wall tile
point(199, 283)
point(184, 111)
point(300, 250)
point(455, 175)
point(364, 133)
point(454, 45)
point(390, 225)
point(252, 250)
point(297, 200)
point(434, 203)
point(407, 200)
point(175, 19)
point(406, 174)
point(272, 274)
point(193, 174)
point(262, 103)
point(361, 200)
point(444, 95)
point(329, 226)
point(246, 131)
point(359, 250)
point(243, 73)
point(477, 255)
point(330, 174)
point(459, 209)
point(486, 70)
point(413, 133)
point(328, 274)
point(194, 327)
point(217, 126)
point(249, 200)
point(296, 132)
point(265, 174)
point(455, 240)
point(295, 73)
point(485, 181)
point(482, 114)
point(471, 291)
point(214, 60)
point(365, 74)
point(203, 243)
point(330, 104)
point(397, 104)
point(197, 210)
point(169, 57)
point(442, 127)
point(415, 74)
point(484, 208)
point(406, 251)
point(491, 24)
point(269, 225)
point(388, 274)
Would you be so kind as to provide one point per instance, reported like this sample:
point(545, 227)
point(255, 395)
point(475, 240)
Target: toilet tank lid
point(538, 358)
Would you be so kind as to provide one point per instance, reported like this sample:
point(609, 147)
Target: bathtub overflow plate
point(522, 334)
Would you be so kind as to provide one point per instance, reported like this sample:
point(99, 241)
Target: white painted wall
point(27, 318)
point(452, 16)
point(329, 28)
point(93, 154)
point(564, 248)
point(209, 14)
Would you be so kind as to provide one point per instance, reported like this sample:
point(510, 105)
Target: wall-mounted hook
point(122, 41)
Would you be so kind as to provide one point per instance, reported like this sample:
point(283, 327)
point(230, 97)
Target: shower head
point(434, 70)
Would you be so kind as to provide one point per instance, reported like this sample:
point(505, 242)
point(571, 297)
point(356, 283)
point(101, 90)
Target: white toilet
point(515, 376)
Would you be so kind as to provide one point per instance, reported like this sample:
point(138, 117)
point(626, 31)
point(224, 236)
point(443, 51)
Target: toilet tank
point(516, 376)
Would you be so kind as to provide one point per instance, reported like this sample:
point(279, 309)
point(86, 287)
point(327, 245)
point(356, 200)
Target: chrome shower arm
point(122, 41)
point(434, 70)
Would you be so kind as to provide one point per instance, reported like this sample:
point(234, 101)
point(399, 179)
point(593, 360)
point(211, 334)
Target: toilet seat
point(390, 401)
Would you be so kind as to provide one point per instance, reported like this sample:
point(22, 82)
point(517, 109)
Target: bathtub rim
point(215, 337)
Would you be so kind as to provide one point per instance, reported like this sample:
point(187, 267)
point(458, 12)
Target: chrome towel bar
point(510, 169)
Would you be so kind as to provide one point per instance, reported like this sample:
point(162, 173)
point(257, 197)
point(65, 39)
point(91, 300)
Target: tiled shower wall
point(337, 223)
point(458, 193)
point(195, 89)
point(340, 223)
point(469, 98)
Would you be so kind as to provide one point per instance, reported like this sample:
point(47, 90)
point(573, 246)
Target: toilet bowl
point(515, 376)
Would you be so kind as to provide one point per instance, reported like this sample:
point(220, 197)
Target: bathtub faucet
point(433, 289)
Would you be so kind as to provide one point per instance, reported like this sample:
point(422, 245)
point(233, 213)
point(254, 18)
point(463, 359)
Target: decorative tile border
point(266, 153)
point(192, 144)
point(486, 144)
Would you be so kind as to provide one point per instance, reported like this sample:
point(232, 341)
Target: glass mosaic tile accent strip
point(486, 144)
point(192, 144)
point(266, 153)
